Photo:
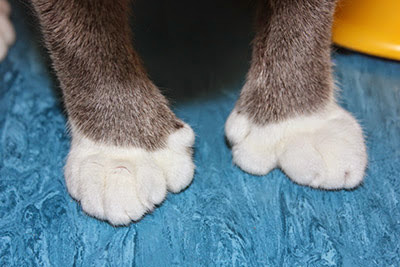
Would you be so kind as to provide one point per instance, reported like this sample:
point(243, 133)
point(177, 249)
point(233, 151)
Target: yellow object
point(368, 26)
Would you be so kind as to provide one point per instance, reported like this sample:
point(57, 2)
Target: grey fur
point(107, 93)
point(290, 72)
point(110, 99)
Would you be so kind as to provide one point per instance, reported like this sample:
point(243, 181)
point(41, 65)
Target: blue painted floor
point(199, 56)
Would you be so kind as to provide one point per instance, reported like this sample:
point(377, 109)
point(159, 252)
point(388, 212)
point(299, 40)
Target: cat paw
point(120, 184)
point(324, 150)
point(7, 34)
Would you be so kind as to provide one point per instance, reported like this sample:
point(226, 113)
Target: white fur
point(7, 34)
point(324, 150)
point(121, 185)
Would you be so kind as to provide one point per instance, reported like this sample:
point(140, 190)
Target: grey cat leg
point(291, 66)
point(286, 115)
point(128, 148)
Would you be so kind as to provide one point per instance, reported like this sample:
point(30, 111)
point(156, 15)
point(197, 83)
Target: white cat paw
point(121, 185)
point(324, 150)
point(7, 34)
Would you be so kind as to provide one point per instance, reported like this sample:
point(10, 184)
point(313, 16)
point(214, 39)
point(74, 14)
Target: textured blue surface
point(226, 217)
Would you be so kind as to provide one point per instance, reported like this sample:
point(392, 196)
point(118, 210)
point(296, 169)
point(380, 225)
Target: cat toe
point(324, 150)
point(122, 184)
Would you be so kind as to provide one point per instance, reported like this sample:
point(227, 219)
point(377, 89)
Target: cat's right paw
point(7, 34)
point(323, 150)
point(120, 184)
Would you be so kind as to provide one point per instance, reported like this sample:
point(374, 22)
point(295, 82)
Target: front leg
point(286, 115)
point(128, 148)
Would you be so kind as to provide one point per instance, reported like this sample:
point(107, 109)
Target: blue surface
point(226, 217)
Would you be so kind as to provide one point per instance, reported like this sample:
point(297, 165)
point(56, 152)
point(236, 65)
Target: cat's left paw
point(122, 184)
point(324, 150)
point(7, 34)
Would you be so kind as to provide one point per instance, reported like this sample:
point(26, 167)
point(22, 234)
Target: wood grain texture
point(226, 217)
